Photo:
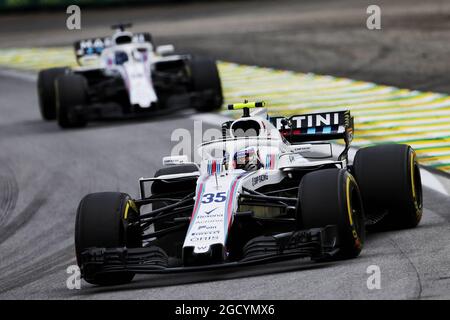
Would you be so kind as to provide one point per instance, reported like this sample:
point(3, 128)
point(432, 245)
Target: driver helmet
point(139, 55)
point(247, 159)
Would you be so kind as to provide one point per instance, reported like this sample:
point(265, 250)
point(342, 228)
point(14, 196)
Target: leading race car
point(269, 189)
point(126, 75)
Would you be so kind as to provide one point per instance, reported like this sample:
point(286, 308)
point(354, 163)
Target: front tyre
point(47, 92)
point(71, 101)
point(391, 187)
point(331, 197)
point(103, 221)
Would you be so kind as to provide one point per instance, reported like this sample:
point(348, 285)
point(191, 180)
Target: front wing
point(319, 244)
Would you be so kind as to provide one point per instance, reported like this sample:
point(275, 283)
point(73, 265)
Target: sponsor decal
point(313, 120)
point(209, 211)
point(201, 248)
point(302, 148)
point(96, 45)
point(204, 238)
point(205, 233)
point(215, 215)
point(259, 179)
point(208, 227)
point(316, 120)
point(211, 221)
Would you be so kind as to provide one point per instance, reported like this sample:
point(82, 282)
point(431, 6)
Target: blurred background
point(321, 36)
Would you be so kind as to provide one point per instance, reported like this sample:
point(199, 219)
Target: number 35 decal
point(216, 197)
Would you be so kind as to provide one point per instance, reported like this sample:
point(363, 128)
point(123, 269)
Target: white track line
point(29, 77)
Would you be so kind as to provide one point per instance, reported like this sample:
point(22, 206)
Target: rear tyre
point(71, 101)
point(389, 178)
point(205, 79)
point(331, 197)
point(102, 221)
point(47, 92)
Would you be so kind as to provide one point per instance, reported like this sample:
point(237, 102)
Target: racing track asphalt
point(45, 171)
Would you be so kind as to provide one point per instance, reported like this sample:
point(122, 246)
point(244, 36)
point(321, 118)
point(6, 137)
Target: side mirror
point(174, 160)
point(165, 49)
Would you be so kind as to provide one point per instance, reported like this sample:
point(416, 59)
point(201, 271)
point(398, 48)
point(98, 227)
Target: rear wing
point(95, 46)
point(316, 126)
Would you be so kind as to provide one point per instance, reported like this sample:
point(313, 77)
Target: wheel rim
point(355, 211)
point(416, 185)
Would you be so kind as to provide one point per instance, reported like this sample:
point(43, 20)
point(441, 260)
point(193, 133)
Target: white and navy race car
point(269, 189)
point(126, 75)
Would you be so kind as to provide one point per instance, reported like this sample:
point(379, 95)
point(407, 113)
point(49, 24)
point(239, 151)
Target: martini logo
point(316, 120)
point(313, 120)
